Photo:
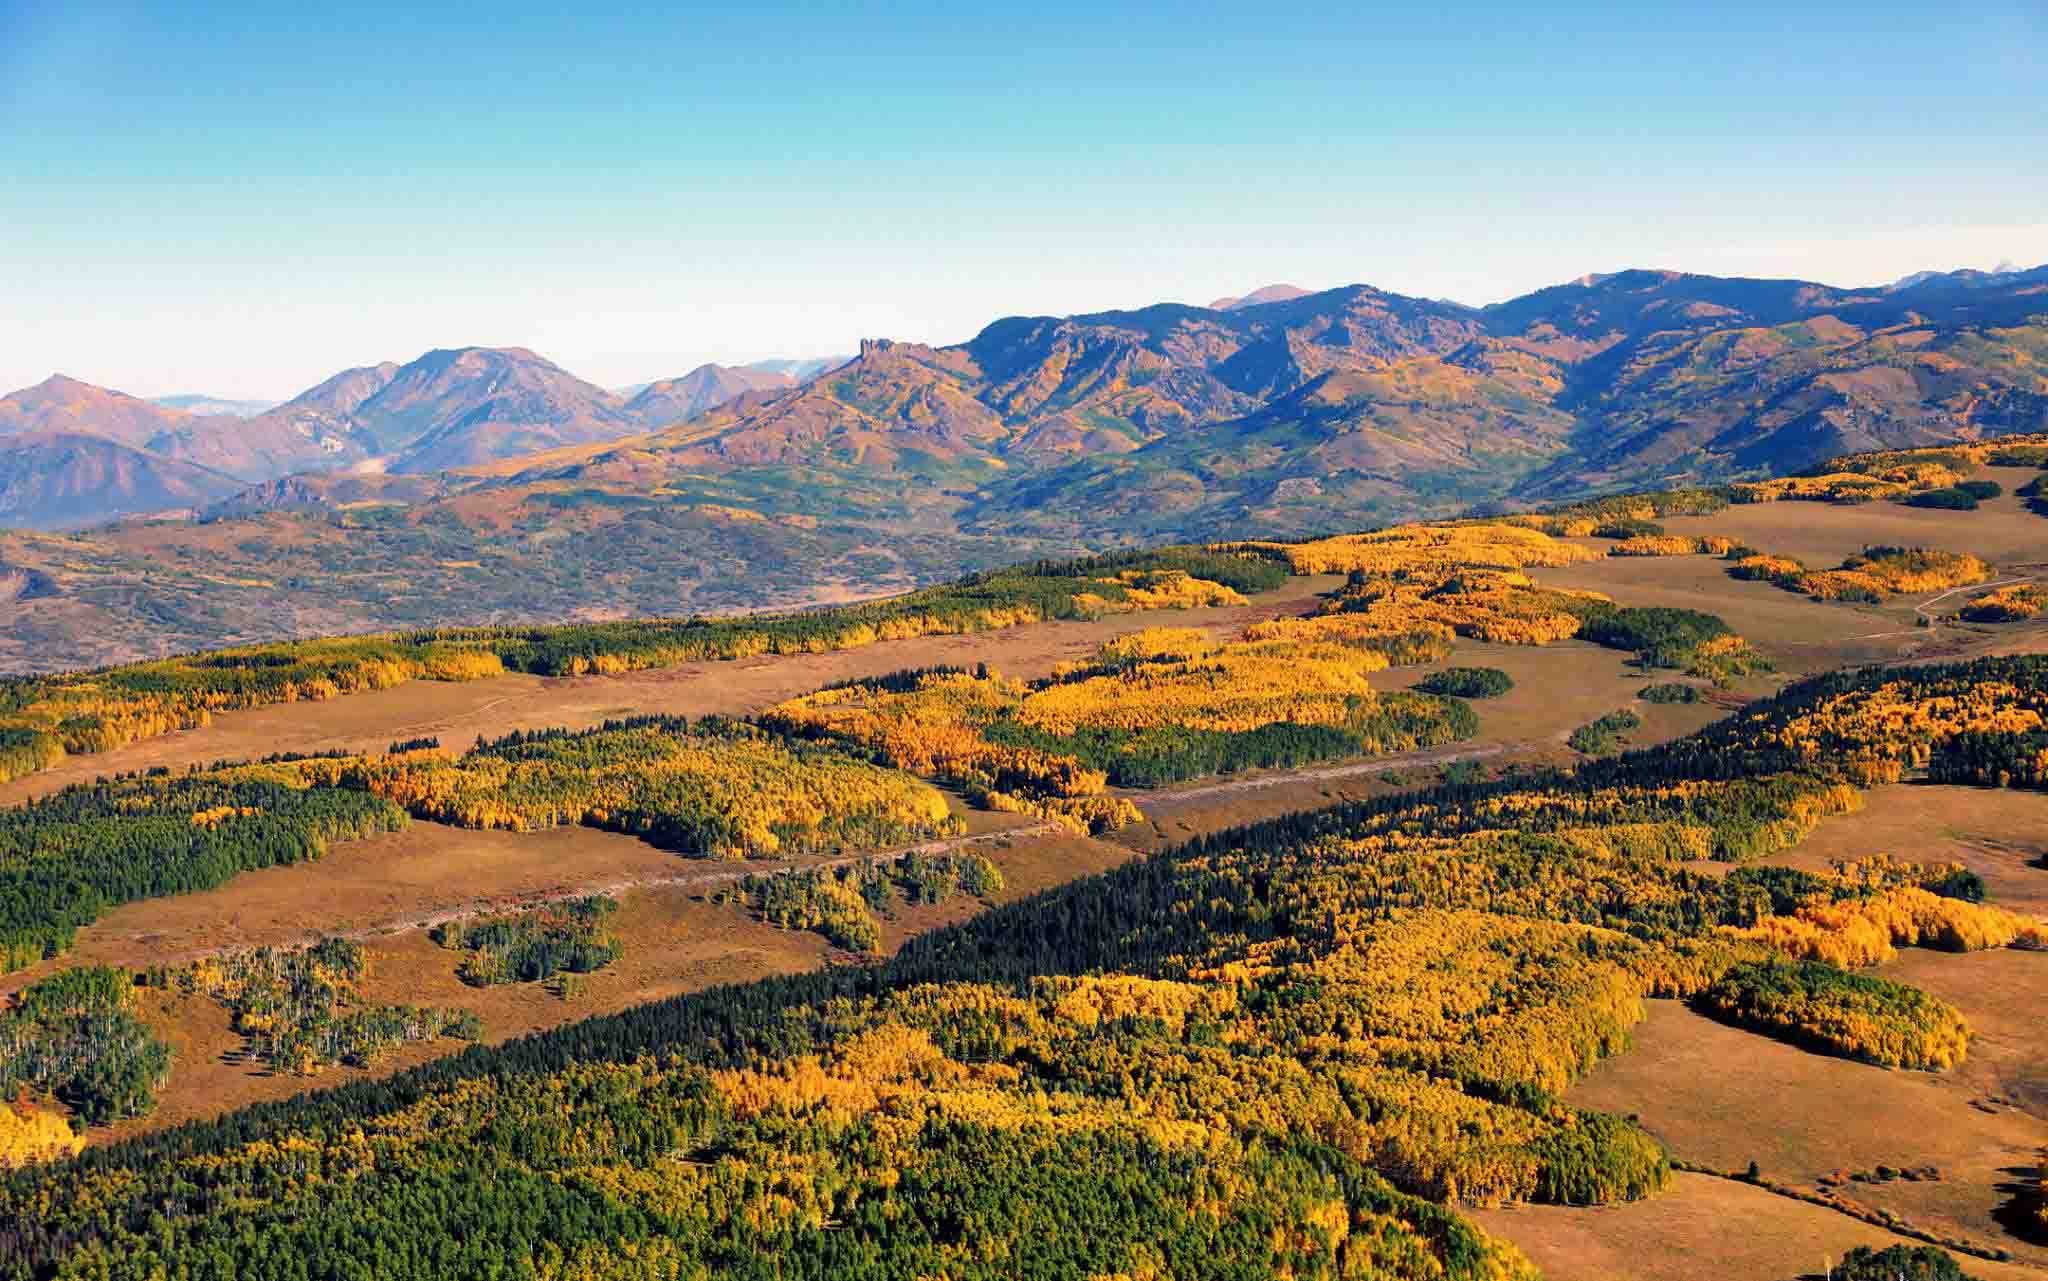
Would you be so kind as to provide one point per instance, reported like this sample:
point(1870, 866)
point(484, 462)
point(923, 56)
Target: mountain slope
point(1675, 378)
point(64, 404)
point(56, 480)
point(456, 407)
point(1423, 436)
point(674, 400)
point(1040, 436)
point(450, 408)
point(1265, 294)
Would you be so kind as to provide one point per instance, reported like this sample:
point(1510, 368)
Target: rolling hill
point(63, 404)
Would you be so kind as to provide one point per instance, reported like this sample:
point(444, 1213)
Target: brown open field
point(1704, 1229)
point(1806, 636)
point(1562, 686)
point(676, 941)
point(1724, 1097)
point(2000, 835)
point(2002, 530)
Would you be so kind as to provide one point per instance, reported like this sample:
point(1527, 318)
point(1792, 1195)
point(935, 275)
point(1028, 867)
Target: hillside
point(63, 404)
point(448, 409)
point(53, 478)
point(657, 949)
point(674, 400)
point(1039, 436)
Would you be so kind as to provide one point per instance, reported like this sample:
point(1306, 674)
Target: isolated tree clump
point(1953, 498)
point(1468, 682)
point(1669, 692)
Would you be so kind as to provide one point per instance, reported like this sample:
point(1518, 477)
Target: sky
point(241, 199)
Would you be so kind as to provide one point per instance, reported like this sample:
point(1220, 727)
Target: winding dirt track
point(1925, 610)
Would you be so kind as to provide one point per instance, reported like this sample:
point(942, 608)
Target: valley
point(682, 936)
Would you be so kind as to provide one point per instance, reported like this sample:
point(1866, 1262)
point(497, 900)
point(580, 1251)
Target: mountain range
point(490, 485)
point(446, 409)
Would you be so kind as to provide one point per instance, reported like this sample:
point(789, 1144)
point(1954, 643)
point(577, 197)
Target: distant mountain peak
point(1263, 294)
point(69, 388)
point(673, 400)
point(213, 406)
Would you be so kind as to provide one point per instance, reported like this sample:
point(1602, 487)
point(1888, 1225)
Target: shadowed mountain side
point(57, 480)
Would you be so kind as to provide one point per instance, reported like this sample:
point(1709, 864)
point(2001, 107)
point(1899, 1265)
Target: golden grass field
point(1703, 1229)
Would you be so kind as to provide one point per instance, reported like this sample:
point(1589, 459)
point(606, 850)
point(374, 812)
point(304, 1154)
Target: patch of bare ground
point(460, 713)
point(2000, 834)
point(1704, 1229)
point(1721, 1098)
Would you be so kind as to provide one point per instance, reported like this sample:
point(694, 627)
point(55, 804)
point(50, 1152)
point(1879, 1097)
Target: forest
point(68, 857)
point(1871, 577)
point(76, 1037)
point(1158, 706)
point(718, 787)
point(1289, 1048)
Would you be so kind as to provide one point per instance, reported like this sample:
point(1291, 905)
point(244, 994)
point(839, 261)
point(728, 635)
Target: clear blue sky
point(240, 199)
